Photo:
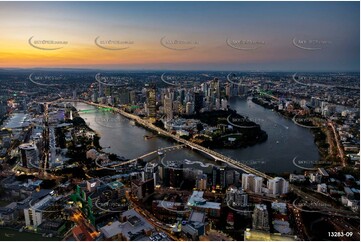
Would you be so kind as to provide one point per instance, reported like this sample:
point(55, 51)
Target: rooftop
point(167, 204)
point(17, 121)
point(323, 172)
point(197, 200)
point(133, 227)
point(197, 217)
point(115, 185)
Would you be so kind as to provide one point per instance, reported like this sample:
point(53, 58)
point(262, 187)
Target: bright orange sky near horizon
point(207, 24)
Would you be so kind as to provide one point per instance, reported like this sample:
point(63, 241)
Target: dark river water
point(285, 139)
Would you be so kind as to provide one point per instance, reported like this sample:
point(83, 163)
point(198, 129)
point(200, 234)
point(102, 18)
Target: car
point(158, 237)
point(163, 235)
point(151, 238)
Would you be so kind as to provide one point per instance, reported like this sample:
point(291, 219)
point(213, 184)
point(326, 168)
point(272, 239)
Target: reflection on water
point(285, 139)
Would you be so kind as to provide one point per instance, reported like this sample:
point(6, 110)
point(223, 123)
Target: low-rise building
point(297, 178)
point(131, 227)
point(34, 214)
point(198, 203)
point(322, 188)
point(8, 215)
point(195, 226)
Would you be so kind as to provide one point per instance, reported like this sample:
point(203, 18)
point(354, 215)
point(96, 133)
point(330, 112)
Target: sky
point(230, 36)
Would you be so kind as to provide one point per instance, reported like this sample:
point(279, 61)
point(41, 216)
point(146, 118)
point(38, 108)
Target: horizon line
point(164, 70)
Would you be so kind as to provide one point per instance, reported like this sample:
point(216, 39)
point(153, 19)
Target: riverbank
point(211, 153)
point(319, 135)
point(232, 130)
point(285, 139)
point(82, 122)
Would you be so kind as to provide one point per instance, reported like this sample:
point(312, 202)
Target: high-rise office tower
point(74, 95)
point(101, 91)
point(124, 96)
point(201, 182)
point(29, 155)
point(198, 101)
point(228, 90)
point(168, 108)
point(219, 177)
point(173, 174)
point(189, 108)
point(151, 100)
point(133, 97)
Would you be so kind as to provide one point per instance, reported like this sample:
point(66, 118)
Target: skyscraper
point(168, 108)
point(277, 186)
point(151, 100)
point(124, 96)
point(252, 183)
point(260, 218)
point(173, 174)
point(198, 102)
point(201, 182)
point(219, 177)
point(101, 92)
point(236, 197)
point(29, 155)
point(189, 108)
point(228, 90)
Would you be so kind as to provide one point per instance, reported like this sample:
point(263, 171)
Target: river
point(285, 139)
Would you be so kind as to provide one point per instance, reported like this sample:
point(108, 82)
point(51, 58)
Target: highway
point(341, 152)
point(325, 209)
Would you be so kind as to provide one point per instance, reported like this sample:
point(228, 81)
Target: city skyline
point(180, 121)
point(237, 36)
